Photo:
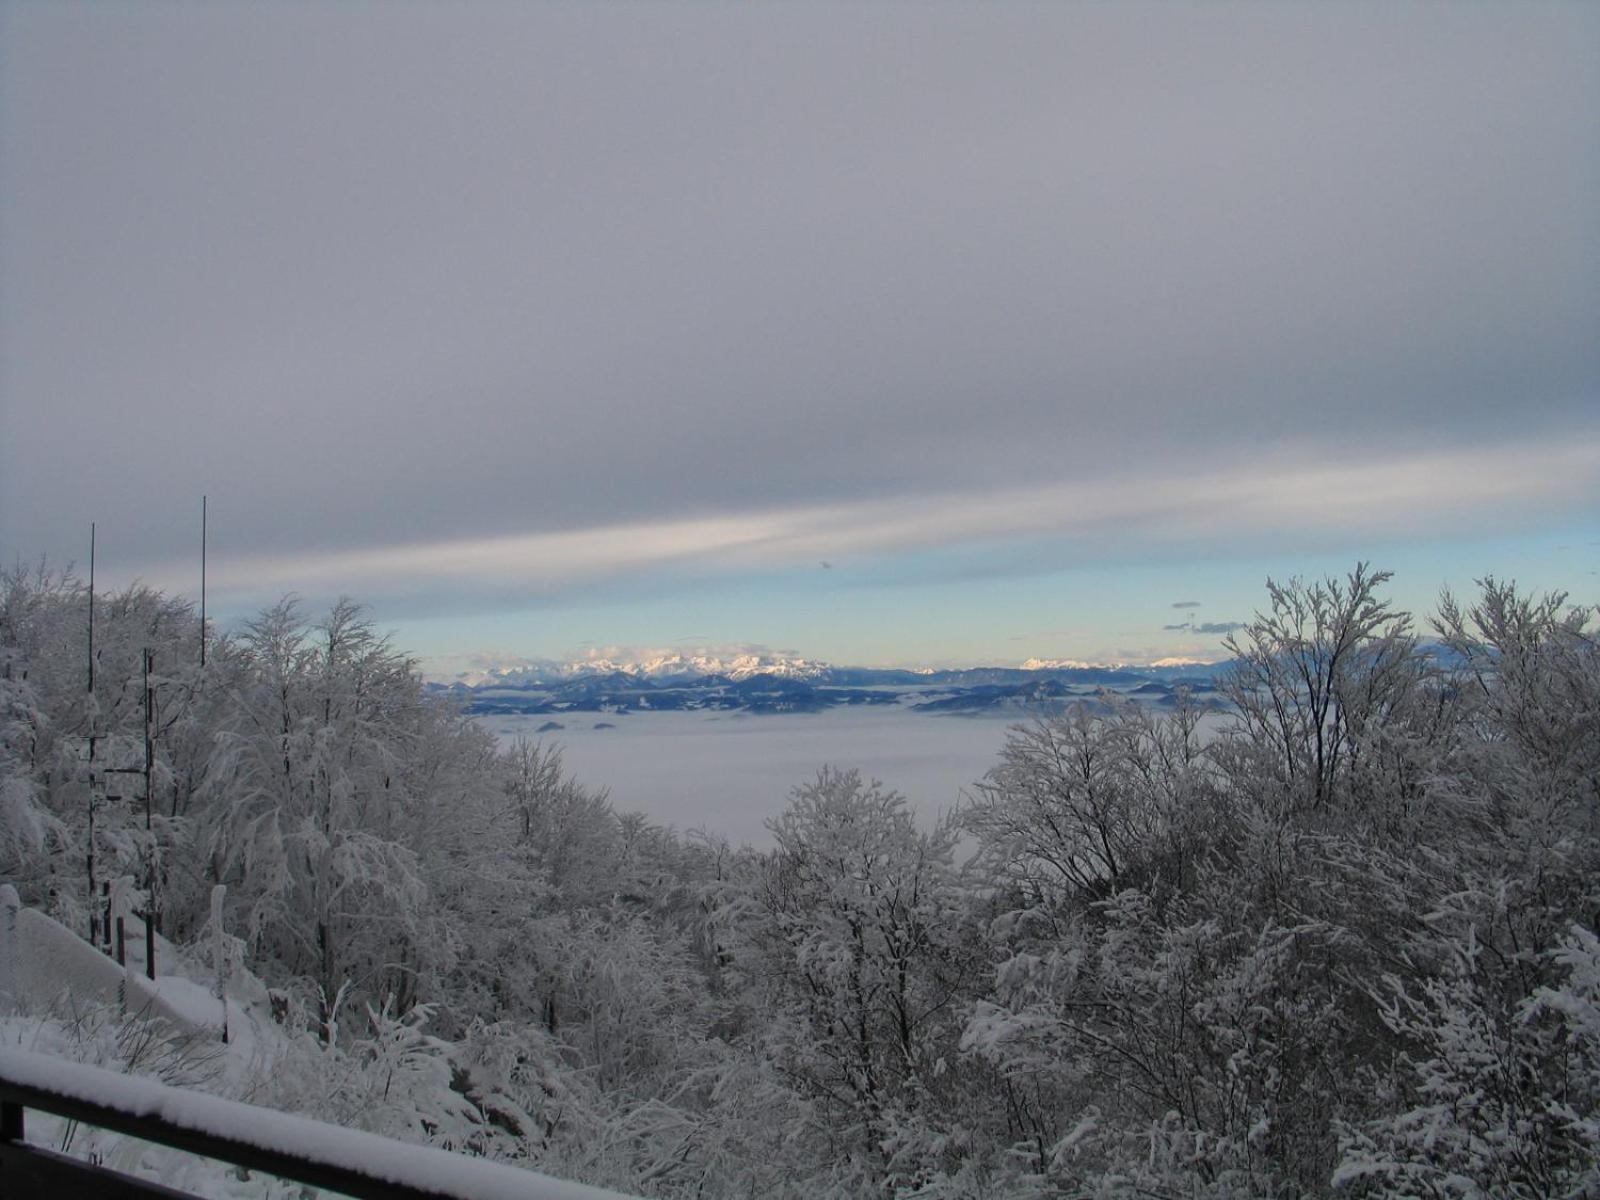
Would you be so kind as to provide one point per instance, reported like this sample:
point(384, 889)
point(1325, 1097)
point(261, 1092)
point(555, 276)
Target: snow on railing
point(349, 1161)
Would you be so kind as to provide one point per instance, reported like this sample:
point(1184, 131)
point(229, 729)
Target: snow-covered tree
point(1328, 662)
point(1087, 801)
point(316, 802)
point(75, 810)
point(858, 924)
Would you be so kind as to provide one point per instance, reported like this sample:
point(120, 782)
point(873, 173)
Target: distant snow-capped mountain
point(1067, 664)
point(657, 665)
point(759, 681)
point(737, 664)
point(735, 667)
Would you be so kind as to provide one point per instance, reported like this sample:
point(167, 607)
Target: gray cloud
point(450, 276)
point(933, 537)
point(1186, 604)
point(1210, 627)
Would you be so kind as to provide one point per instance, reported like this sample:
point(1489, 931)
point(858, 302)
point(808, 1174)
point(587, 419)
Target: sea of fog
point(729, 773)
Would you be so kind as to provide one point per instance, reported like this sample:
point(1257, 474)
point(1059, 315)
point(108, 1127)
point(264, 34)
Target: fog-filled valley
point(1330, 930)
point(730, 775)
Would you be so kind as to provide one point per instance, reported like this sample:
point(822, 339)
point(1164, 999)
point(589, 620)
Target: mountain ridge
point(683, 668)
point(770, 684)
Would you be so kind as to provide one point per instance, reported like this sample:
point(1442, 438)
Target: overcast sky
point(890, 333)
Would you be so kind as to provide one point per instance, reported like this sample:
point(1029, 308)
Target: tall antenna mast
point(92, 716)
point(91, 608)
point(150, 871)
point(202, 580)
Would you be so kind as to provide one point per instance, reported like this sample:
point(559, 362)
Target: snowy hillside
point(66, 1008)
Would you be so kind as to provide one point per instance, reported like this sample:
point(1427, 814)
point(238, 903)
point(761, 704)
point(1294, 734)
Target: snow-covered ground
point(731, 772)
point(65, 1006)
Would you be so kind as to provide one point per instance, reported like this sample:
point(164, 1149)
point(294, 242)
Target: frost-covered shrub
point(1491, 1100)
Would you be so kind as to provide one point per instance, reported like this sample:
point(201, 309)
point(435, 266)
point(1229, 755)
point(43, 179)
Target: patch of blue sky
point(996, 603)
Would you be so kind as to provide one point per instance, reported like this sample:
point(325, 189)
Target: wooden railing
point(346, 1161)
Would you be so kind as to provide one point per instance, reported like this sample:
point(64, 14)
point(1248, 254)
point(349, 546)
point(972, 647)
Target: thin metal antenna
point(92, 716)
point(202, 580)
point(150, 872)
point(149, 733)
point(91, 608)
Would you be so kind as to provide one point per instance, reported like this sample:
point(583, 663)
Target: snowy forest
point(1335, 937)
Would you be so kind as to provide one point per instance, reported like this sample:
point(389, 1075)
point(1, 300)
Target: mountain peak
point(1067, 664)
point(734, 663)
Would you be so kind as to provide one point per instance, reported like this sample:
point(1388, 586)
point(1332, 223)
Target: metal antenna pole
point(89, 841)
point(91, 609)
point(150, 874)
point(202, 580)
point(149, 745)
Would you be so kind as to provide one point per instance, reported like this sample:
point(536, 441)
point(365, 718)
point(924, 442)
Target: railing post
point(11, 1125)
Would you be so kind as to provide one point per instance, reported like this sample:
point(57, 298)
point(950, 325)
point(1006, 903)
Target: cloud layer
point(1410, 496)
point(474, 304)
